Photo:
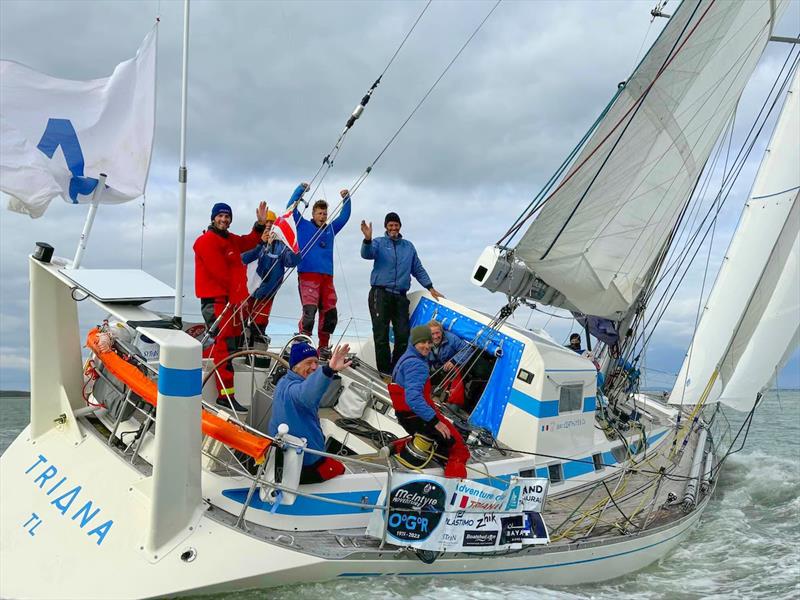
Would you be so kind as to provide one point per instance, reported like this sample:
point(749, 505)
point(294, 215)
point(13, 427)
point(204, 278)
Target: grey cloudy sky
point(271, 85)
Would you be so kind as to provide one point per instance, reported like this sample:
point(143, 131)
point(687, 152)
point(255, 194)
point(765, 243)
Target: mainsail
point(598, 236)
point(750, 323)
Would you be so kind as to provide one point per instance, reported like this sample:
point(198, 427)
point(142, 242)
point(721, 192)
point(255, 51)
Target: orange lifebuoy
point(213, 426)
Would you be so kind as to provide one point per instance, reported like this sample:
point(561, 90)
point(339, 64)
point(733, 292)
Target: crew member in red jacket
point(220, 281)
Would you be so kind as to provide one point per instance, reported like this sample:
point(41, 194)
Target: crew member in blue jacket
point(396, 261)
point(296, 403)
point(448, 350)
point(414, 408)
point(315, 273)
point(273, 257)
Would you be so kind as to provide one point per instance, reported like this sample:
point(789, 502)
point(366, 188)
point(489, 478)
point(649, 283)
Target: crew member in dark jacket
point(396, 261)
point(220, 281)
point(273, 257)
point(410, 391)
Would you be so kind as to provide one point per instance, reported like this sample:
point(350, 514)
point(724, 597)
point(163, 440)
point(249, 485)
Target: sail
point(598, 235)
point(750, 322)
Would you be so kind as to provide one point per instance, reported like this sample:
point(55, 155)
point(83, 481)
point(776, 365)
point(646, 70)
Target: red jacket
point(218, 267)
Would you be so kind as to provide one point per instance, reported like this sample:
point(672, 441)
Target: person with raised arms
point(315, 272)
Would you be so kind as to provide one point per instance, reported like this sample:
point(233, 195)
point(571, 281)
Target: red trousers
point(317, 293)
point(225, 343)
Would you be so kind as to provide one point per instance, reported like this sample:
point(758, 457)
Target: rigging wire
point(422, 100)
point(327, 163)
point(742, 156)
point(633, 111)
point(633, 108)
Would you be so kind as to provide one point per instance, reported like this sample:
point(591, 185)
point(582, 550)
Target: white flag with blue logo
point(58, 135)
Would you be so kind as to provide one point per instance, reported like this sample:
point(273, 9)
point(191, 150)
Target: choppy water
point(747, 545)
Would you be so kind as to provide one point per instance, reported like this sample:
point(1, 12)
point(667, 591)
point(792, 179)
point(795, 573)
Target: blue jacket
point(452, 348)
point(273, 259)
point(296, 403)
point(318, 258)
point(411, 373)
point(395, 262)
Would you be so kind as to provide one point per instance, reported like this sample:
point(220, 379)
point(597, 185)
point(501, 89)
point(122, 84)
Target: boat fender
point(213, 425)
point(427, 556)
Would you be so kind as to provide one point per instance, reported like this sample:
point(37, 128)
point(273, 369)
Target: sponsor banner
point(434, 513)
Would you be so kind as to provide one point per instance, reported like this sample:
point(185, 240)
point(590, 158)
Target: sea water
point(747, 544)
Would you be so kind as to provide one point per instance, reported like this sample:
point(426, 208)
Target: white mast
point(182, 172)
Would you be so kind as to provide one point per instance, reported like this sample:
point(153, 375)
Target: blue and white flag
point(58, 135)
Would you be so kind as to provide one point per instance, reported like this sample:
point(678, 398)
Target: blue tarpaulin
point(490, 408)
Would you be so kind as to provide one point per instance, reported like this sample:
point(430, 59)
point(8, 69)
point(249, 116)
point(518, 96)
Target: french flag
point(286, 231)
point(462, 504)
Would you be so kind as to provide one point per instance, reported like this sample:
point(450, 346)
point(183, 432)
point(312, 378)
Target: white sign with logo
point(434, 513)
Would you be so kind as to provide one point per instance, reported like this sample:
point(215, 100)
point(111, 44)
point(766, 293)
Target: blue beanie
point(221, 207)
point(299, 352)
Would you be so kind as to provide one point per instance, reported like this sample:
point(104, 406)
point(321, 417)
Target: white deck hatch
point(119, 285)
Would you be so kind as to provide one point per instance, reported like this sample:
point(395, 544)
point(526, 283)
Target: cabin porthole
point(188, 555)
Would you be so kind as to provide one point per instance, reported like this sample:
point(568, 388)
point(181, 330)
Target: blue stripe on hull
point(310, 507)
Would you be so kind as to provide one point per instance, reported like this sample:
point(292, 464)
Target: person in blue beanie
point(273, 257)
point(315, 272)
point(296, 403)
point(395, 261)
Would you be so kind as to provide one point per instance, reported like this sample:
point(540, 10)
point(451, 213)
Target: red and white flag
point(286, 231)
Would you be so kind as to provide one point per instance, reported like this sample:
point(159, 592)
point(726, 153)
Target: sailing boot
point(229, 403)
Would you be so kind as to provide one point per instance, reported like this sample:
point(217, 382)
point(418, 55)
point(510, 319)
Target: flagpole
point(182, 174)
point(87, 225)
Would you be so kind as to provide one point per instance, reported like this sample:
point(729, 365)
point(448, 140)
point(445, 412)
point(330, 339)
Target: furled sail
point(597, 237)
point(751, 321)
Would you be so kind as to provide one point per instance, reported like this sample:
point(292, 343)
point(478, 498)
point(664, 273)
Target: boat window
point(570, 398)
point(554, 473)
point(597, 459)
point(462, 396)
point(620, 453)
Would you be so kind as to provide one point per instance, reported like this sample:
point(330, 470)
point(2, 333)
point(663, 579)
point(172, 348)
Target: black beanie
point(391, 217)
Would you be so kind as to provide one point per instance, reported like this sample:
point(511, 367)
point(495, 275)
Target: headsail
point(599, 234)
point(750, 323)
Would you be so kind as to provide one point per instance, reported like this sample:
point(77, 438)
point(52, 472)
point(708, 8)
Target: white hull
point(59, 558)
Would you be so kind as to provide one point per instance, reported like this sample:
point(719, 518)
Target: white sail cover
point(751, 321)
point(599, 234)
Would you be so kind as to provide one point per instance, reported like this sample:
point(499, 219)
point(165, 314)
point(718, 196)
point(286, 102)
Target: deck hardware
point(188, 555)
point(61, 419)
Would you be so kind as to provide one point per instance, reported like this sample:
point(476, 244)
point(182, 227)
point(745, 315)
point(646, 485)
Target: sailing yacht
point(575, 475)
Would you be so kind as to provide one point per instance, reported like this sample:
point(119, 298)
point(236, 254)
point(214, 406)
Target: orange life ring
point(213, 426)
